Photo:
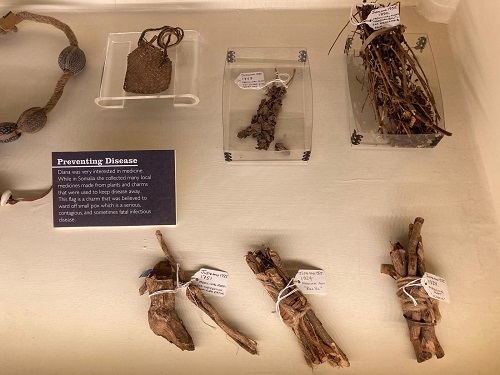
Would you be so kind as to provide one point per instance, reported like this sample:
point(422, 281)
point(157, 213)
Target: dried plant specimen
point(397, 84)
point(280, 147)
point(163, 319)
point(263, 123)
point(317, 345)
point(420, 311)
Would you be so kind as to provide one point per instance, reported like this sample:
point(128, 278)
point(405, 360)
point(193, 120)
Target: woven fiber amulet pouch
point(149, 69)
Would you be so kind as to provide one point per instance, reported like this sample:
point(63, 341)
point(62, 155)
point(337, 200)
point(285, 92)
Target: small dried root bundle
point(264, 122)
point(163, 319)
point(408, 266)
point(162, 316)
point(296, 312)
point(397, 84)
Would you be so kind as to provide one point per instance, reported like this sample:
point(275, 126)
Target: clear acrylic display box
point(294, 121)
point(183, 87)
point(363, 123)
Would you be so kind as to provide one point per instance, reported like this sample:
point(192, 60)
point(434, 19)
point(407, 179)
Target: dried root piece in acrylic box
point(394, 79)
point(161, 285)
point(263, 123)
point(294, 309)
point(419, 309)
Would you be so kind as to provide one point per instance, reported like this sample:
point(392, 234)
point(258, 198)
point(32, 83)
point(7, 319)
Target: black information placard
point(114, 188)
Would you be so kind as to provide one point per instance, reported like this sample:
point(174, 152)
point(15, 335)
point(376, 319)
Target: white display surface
point(69, 301)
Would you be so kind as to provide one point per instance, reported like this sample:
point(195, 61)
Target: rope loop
point(71, 60)
point(163, 39)
point(165, 32)
point(6, 198)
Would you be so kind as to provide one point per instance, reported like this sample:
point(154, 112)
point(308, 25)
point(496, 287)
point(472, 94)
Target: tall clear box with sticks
point(267, 105)
point(372, 124)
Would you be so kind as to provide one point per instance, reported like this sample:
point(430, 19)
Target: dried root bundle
point(408, 266)
point(264, 121)
point(162, 316)
point(399, 89)
point(296, 312)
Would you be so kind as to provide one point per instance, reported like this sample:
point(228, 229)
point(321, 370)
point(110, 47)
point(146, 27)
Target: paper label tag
point(211, 281)
point(254, 80)
point(311, 281)
point(436, 287)
point(383, 17)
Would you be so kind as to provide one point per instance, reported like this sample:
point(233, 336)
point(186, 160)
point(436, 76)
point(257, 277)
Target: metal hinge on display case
point(356, 138)
point(303, 56)
point(421, 43)
point(228, 156)
point(306, 156)
point(436, 140)
point(231, 56)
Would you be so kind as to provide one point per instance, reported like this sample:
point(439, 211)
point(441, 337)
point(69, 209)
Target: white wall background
point(186, 4)
point(473, 33)
point(435, 10)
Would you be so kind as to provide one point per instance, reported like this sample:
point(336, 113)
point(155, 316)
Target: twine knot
point(414, 298)
point(296, 315)
point(292, 315)
point(178, 285)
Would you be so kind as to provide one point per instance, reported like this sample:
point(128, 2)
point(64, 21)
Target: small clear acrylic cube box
point(294, 122)
point(183, 87)
point(362, 121)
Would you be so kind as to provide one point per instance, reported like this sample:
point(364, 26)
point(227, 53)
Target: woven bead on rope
point(71, 60)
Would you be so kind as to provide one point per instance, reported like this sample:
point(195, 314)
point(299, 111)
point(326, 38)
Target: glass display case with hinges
point(372, 122)
point(267, 105)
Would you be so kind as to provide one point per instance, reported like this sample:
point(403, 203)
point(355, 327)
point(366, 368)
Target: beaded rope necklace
point(71, 61)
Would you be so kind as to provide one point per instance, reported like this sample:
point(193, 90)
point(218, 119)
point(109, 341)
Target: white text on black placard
point(114, 188)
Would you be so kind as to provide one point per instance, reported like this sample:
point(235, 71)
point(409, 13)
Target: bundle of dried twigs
point(400, 92)
point(420, 310)
point(296, 312)
point(162, 316)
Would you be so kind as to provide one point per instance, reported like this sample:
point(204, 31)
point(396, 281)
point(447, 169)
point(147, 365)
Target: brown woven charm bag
point(149, 69)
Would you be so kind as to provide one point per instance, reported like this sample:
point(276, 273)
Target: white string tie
point(281, 297)
point(417, 282)
point(278, 80)
point(178, 285)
